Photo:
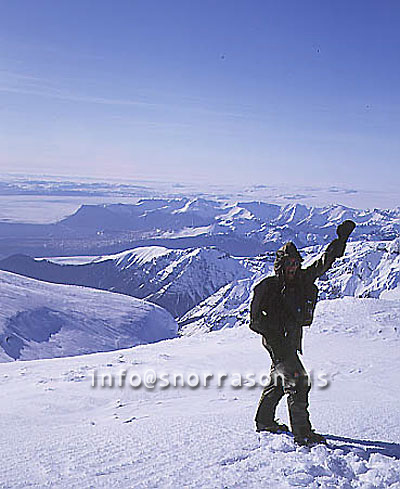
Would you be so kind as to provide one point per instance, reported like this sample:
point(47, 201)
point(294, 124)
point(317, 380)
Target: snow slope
point(42, 320)
point(367, 270)
point(84, 437)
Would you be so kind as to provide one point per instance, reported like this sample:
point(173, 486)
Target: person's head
point(288, 261)
point(290, 267)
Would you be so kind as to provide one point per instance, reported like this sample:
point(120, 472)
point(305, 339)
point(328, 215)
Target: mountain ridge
point(243, 228)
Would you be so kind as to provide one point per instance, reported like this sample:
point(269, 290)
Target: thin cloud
point(27, 84)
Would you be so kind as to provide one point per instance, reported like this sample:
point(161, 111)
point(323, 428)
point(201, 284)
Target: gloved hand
point(345, 229)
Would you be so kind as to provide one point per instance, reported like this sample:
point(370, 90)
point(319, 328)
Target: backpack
point(264, 314)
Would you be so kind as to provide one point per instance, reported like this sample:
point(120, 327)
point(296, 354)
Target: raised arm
point(334, 250)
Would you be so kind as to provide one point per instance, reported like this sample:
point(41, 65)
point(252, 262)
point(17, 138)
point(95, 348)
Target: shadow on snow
point(368, 446)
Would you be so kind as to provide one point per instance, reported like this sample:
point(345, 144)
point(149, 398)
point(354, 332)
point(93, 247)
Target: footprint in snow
point(130, 420)
point(235, 459)
point(74, 376)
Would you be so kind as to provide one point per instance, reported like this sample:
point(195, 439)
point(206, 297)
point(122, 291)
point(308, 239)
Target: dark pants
point(287, 377)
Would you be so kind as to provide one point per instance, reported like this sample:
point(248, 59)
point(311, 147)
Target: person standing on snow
point(281, 305)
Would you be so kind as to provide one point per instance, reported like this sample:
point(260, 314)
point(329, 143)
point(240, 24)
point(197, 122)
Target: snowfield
point(43, 320)
point(58, 431)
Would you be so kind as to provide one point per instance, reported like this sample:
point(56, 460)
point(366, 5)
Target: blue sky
point(303, 92)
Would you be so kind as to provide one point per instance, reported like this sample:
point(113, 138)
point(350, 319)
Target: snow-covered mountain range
point(207, 289)
point(240, 228)
point(174, 279)
point(204, 288)
point(368, 269)
point(267, 224)
point(42, 320)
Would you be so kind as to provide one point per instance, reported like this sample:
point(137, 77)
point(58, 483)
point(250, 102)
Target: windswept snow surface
point(58, 431)
point(42, 320)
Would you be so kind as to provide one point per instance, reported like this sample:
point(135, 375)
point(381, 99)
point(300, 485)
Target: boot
point(274, 427)
point(309, 439)
point(316, 437)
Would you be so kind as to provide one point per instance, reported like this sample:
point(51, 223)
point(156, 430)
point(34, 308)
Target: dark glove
point(345, 229)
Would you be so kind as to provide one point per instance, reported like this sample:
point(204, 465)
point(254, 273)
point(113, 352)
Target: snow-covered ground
point(58, 431)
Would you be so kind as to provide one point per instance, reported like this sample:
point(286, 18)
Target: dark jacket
point(279, 311)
